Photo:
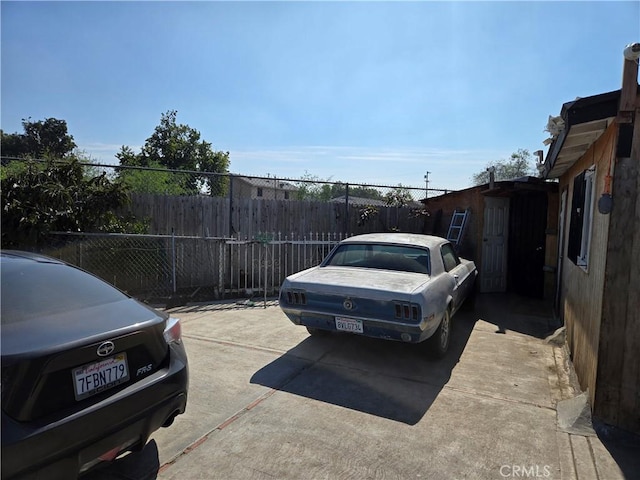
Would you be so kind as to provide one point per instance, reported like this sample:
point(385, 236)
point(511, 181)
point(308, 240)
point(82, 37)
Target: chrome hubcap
point(444, 334)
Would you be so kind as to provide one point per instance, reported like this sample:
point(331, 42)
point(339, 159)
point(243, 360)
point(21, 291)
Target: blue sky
point(373, 92)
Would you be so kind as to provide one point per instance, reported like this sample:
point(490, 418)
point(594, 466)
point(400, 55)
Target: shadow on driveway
point(388, 379)
point(142, 465)
point(516, 313)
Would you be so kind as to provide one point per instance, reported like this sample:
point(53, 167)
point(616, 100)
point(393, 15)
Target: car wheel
point(439, 341)
point(317, 332)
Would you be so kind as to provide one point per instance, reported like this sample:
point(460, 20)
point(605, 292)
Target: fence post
point(230, 206)
point(266, 252)
point(346, 208)
point(173, 258)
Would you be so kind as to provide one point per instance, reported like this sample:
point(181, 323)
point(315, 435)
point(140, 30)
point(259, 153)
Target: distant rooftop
point(267, 183)
point(360, 201)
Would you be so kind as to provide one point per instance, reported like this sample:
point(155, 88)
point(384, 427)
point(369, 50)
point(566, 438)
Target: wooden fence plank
point(201, 215)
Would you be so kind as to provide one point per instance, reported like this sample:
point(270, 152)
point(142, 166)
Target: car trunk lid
point(384, 285)
point(110, 346)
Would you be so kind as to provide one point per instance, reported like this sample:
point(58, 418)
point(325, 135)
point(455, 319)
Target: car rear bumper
point(372, 327)
point(58, 450)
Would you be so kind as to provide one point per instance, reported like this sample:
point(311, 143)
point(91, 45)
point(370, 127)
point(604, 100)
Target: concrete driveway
point(268, 401)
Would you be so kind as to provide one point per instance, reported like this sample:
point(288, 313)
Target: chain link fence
point(166, 269)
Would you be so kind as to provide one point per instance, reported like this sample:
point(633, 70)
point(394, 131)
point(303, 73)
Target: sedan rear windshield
point(33, 289)
point(381, 256)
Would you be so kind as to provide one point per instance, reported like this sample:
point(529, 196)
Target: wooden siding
point(441, 209)
point(617, 396)
point(582, 291)
point(443, 206)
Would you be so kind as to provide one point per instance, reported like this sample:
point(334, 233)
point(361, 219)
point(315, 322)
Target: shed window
point(581, 218)
point(259, 193)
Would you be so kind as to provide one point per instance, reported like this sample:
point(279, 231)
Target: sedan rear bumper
point(372, 327)
point(59, 449)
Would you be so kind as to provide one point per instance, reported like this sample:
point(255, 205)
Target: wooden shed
point(509, 233)
point(595, 155)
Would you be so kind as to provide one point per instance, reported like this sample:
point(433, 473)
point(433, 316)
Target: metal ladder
point(458, 221)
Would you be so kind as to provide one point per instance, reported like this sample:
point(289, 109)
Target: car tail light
point(173, 331)
point(296, 297)
point(407, 311)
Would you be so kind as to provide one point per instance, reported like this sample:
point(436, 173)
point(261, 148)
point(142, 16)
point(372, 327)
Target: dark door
point(527, 237)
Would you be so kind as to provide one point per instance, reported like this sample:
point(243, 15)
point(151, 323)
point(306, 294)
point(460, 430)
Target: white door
point(493, 275)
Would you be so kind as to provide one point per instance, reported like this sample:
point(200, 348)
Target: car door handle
point(457, 278)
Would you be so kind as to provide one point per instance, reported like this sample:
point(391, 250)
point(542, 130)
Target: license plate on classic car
point(352, 325)
point(96, 377)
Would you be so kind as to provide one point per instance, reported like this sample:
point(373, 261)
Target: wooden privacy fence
point(159, 267)
point(206, 216)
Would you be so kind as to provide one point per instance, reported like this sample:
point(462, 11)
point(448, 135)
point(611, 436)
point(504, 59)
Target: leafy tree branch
point(519, 164)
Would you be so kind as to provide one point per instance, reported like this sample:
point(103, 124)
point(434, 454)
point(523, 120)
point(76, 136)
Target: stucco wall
point(242, 189)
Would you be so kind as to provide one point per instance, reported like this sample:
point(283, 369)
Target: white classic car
point(393, 286)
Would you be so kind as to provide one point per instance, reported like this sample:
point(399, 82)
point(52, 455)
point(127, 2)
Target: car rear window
point(33, 289)
point(382, 256)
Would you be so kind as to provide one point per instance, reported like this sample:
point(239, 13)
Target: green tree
point(154, 181)
point(340, 189)
point(398, 197)
point(520, 164)
point(179, 147)
point(42, 139)
point(312, 187)
point(56, 196)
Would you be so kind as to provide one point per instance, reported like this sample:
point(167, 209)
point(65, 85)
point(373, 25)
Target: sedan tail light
point(173, 331)
point(296, 297)
point(407, 311)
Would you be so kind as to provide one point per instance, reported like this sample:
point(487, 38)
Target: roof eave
point(585, 119)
